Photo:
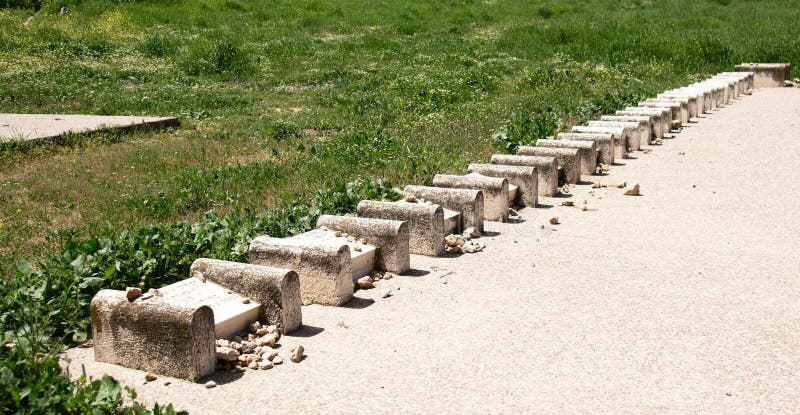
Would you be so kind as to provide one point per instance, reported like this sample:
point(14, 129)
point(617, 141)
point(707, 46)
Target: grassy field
point(283, 103)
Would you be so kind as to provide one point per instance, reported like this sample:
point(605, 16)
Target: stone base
point(390, 237)
point(468, 202)
point(157, 336)
point(546, 170)
point(641, 135)
point(425, 222)
point(605, 144)
point(767, 75)
point(494, 189)
point(277, 290)
point(523, 178)
point(568, 160)
point(587, 152)
point(323, 267)
point(623, 137)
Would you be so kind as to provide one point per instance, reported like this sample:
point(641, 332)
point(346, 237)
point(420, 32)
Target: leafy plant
point(525, 128)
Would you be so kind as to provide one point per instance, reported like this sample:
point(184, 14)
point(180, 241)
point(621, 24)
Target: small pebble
point(567, 203)
point(167, 383)
point(150, 377)
point(297, 353)
point(384, 292)
point(277, 360)
point(245, 300)
point(554, 220)
point(133, 293)
point(210, 384)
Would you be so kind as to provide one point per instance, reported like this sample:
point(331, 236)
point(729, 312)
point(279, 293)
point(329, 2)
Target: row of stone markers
point(184, 329)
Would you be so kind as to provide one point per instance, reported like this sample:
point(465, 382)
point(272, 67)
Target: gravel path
point(683, 300)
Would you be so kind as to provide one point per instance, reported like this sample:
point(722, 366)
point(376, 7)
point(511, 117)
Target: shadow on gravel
point(358, 303)
point(415, 273)
point(306, 331)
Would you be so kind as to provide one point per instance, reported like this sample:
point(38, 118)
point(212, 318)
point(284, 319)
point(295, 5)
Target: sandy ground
point(683, 300)
point(46, 126)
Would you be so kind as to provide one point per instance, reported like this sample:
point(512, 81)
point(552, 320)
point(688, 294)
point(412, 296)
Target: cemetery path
point(683, 300)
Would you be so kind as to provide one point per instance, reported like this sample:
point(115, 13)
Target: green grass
point(284, 102)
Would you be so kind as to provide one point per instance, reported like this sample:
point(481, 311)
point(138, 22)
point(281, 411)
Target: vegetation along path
point(681, 300)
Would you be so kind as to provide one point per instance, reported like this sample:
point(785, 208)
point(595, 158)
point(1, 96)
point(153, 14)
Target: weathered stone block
point(156, 336)
point(744, 79)
point(623, 137)
point(568, 160)
point(693, 101)
point(673, 107)
point(494, 189)
point(641, 137)
point(767, 75)
point(605, 144)
point(683, 107)
point(664, 114)
point(546, 170)
point(390, 237)
point(653, 124)
point(717, 90)
point(323, 267)
point(276, 290)
point(587, 152)
point(425, 222)
point(525, 178)
point(468, 202)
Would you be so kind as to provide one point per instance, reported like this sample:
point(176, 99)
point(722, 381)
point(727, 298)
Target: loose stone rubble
point(257, 349)
point(464, 243)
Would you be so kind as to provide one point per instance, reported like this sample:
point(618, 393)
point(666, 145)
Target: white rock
point(262, 331)
point(632, 190)
point(269, 354)
point(384, 292)
point(469, 248)
point(277, 360)
point(268, 340)
point(255, 326)
point(297, 353)
point(253, 365)
point(210, 384)
point(264, 365)
point(472, 232)
point(388, 275)
point(227, 354)
point(454, 240)
point(223, 343)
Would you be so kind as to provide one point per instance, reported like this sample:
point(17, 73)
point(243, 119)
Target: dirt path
point(683, 300)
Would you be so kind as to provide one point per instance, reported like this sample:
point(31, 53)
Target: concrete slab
point(32, 127)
